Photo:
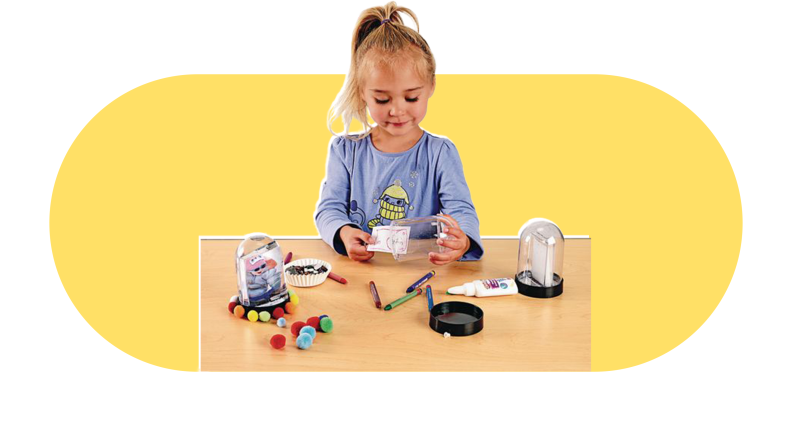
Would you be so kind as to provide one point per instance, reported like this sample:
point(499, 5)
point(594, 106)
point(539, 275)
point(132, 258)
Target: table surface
point(520, 333)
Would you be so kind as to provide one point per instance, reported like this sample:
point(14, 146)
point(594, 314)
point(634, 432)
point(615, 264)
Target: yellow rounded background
point(198, 155)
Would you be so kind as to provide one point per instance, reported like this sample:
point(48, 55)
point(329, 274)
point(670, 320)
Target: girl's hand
point(456, 245)
point(355, 242)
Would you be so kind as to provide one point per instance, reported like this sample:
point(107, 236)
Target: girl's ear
point(431, 90)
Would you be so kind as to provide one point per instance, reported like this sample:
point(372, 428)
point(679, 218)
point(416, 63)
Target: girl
point(395, 169)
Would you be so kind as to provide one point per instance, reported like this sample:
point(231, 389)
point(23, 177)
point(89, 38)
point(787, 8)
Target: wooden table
point(520, 333)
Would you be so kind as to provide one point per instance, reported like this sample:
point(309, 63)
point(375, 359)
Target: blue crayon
point(429, 299)
point(420, 281)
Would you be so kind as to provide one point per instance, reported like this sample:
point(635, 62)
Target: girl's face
point(397, 98)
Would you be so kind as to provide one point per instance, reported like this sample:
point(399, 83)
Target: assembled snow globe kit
point(541, 259)
point(259, 268)
point(411, 238)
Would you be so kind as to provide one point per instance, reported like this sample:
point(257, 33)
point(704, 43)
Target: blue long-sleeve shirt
point(365, 187)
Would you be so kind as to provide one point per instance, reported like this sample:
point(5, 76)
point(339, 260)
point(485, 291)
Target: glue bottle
point(486, 288)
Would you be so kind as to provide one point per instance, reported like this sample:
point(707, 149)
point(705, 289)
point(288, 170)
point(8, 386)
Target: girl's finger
point(440, 259)
point(358, 250)
point(361, 258)
point(451, 243)
point(456, 232)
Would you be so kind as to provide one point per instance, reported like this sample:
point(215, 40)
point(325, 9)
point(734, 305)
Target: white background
point(62, 62)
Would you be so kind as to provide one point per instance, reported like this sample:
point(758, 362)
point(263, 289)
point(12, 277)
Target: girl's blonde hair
point(380, 38)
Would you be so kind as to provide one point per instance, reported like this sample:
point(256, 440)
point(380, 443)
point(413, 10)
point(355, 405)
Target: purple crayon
point(375, 294)
point(421, 281)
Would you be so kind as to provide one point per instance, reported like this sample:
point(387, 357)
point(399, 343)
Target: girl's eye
point(381, 101)
point(411, 99)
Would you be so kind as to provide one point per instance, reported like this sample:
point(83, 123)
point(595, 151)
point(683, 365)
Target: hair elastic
point(385, 21)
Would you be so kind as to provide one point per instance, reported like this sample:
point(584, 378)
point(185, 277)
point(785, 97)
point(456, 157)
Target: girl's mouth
point(398, 124)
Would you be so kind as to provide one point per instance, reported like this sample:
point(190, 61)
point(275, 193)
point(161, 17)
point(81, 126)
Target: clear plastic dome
point(415, 238)
point(259, 267)
point(540, 261)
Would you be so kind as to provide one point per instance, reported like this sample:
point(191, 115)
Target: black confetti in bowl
point(306, 272)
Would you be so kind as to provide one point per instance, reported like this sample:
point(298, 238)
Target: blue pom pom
point(282, 322)
point(310, 330)
point(304, 341)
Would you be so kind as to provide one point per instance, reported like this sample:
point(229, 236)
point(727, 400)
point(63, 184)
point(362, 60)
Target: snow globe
point(259, 268)
point(541, 259)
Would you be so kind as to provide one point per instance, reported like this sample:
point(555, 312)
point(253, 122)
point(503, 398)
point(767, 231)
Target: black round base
point(539, 291)
point(456, 318)
point(269, 306)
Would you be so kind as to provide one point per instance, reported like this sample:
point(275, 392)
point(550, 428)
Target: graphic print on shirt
point(393, 205)
point(356, 215)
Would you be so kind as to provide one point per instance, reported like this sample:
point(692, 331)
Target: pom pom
point(326, 325)
point(277, 313)
point(295, 328)
point(231, 306)
point(304, 341)
point(281, 322)
point(313, 322)
point(239, 311)
point(322, 317)
point(294, 298)
point(264, 316)
point(252, 316)
point(310, 330)
point(291, 308)
point(278, 341)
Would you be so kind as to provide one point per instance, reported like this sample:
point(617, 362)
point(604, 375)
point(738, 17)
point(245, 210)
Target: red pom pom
point(291, 308)
point(231, 306)
point(313, 322)
point(295, 328)
point(277, 313)
point(278, 341)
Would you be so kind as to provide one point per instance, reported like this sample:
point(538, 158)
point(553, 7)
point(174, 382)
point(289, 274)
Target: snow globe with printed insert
point(259, 269)
point(541, 259)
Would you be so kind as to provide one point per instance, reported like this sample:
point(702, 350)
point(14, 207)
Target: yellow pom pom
point(252, 315)
point(294, 298)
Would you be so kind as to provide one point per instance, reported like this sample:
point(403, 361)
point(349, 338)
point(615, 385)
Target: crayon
point(402, 299)
point(288, 258)
point(421, 281)
point(429, 297)
point(337, 278)
point(375, 295)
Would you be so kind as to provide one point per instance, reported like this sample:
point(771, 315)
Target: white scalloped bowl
point(306, 280)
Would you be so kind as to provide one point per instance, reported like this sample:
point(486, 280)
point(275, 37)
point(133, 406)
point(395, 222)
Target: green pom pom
point(264, 316)
point(326, 324)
